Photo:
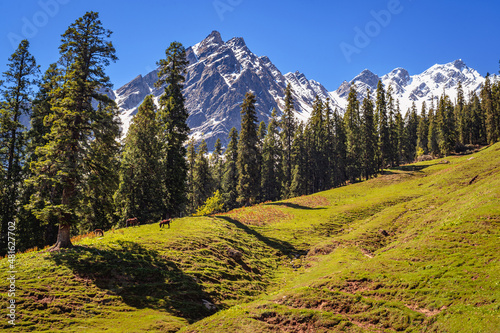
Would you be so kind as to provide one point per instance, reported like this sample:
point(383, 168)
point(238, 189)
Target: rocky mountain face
point(221, 73)
point(218, 77)
point(417, 88)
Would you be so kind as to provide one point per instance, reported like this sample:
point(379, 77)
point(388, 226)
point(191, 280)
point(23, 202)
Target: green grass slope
point(415, 249)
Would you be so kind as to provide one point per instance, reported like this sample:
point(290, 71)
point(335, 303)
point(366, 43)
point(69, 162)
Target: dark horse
point(167, 222)
point(133, 221)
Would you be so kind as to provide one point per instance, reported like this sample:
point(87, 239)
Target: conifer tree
point(401, 135)
point(316, 138)
point(432, 138)
point(353, 138)
point(460, 117)
point(393, 133)
point(102, 180)
point(34, 231)
point(492, 118)
point(85, 50)
point(202, 179)
point(299, 183)
point(173, 115)
point(411, 127)
point(340, 153)
point(445, 125)
point(271, 162)
point(191, 159)
point(423, 130)
point(217, 165)
point(288, 126)
point(16, 90)
point(139, 193)
point(249, 157)
point(230, 177)
point(368, 158)
point(477, 126)
point(383, 131)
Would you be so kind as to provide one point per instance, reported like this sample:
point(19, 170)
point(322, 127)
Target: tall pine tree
point(249, 157)
point(173, 116)
point(16, 90)
point(139, 193)
point(231, 176)
point(288, 126)
point(85, 51)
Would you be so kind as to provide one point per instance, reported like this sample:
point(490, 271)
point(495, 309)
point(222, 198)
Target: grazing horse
point(167, 222)
point(98, 232)
point(133, 221)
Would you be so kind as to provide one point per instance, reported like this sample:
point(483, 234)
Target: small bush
point(214, 204)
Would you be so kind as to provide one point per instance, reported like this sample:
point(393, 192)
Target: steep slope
point(414, 249)
point(219, 75)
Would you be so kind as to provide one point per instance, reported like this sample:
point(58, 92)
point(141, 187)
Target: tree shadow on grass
point(293, 205)
point(141, 277)
point(284, 247)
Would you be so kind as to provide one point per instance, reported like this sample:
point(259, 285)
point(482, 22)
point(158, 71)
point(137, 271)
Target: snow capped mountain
point(417, 88)
point(220, 73)
point(218, 76)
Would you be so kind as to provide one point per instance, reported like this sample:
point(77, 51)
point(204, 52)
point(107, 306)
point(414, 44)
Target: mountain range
point(220, 73)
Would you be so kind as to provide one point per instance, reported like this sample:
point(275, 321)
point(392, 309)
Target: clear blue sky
point(329, 41)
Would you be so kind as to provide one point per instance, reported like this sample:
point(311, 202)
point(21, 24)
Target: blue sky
point(329, 41)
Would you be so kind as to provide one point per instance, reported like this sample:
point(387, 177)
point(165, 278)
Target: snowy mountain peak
point(416, 88)
point(218, 77)
point(367, 77)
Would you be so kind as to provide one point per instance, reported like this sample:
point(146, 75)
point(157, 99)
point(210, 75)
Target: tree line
point(69, 173)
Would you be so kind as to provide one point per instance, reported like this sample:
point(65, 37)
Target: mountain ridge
point(220, 73)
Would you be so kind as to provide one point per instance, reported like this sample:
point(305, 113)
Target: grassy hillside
point(414, 249)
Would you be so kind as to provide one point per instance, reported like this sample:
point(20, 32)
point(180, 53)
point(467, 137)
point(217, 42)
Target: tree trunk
point(63, 238)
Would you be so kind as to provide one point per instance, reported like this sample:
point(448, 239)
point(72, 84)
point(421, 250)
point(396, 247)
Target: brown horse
point(98, 232)
point(133, 221)
point(167, 222)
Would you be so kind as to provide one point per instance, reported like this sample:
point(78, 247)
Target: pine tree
point(173, 116)
point(191, 159)
point(288, 126)
point(340, 152)
point(353, 139)
point(139, 193)
point(477, 126)
point(383, 132)
point(393, 133)
point(492, 118)
point(445, 125)
point(230, 177)
point(316, 138)
point(423, 130)
point(460, 117)
point(217, 165)
point(400, 134)
point(85, 51)
point(432, 138)
point(369, 140)
point(411, 127)
point(37, 233)
point(249, 157)
point(271, 162)
point(202, 179)
point(299, 183)
point(16, 90)
point(102, 180)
